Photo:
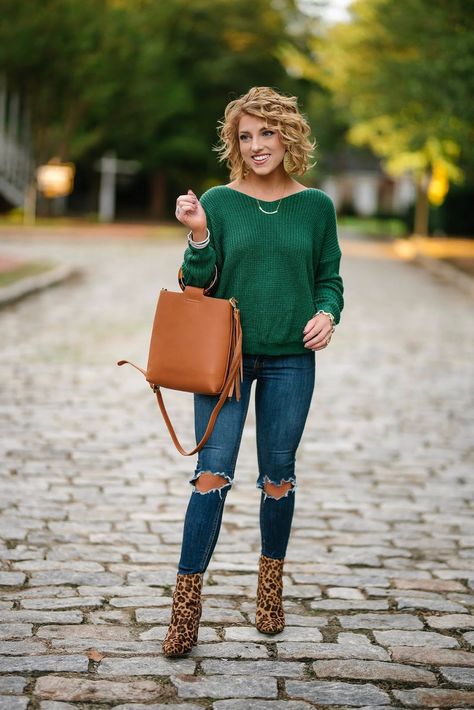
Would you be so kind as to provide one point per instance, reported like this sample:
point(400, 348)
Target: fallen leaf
point(94, 655)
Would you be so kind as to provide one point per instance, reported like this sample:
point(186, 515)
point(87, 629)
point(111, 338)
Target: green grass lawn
point(30, 268)
point(375, 226)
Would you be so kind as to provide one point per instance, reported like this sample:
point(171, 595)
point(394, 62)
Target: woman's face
point(260, 146)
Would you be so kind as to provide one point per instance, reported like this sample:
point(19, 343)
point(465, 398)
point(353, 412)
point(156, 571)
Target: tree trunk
point(158, 196)
point(422, 210)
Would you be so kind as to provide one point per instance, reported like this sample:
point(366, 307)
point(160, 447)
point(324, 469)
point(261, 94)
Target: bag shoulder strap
point(234, 378)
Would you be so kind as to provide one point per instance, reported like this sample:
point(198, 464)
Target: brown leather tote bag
point(196, 346)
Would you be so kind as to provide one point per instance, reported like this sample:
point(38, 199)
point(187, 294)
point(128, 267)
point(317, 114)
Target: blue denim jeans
point(283, 395)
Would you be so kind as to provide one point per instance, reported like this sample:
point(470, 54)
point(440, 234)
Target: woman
point(275, 246)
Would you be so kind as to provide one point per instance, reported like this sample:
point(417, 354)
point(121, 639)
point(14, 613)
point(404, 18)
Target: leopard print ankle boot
point(270, 617)
point(185, 615)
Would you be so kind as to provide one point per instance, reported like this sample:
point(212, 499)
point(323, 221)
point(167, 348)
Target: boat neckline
point(280, 199)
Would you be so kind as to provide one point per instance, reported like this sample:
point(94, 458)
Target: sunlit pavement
point(380, 571)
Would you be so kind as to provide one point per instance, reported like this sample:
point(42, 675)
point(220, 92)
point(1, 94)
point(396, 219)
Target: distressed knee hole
point(277, 490)
point(208, 481)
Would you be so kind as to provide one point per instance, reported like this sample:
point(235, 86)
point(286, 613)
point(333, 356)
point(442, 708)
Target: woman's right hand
point(190, 212)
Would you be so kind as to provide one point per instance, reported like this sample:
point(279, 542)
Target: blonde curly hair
point(280, 112)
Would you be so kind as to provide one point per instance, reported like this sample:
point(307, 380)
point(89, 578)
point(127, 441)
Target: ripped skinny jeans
point(284, 388)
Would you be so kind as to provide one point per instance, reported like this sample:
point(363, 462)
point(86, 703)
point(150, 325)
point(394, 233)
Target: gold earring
point(287, 162)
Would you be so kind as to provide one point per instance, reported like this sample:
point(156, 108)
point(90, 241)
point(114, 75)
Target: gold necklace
point(272, 211)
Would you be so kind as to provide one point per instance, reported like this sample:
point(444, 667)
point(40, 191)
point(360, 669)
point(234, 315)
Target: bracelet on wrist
point(199, 245)
point(329, 315)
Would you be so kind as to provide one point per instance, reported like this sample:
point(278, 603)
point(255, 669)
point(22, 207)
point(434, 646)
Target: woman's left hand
point(317, 332)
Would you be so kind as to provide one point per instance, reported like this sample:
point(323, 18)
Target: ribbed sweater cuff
point(198, 265)
point(329, 307)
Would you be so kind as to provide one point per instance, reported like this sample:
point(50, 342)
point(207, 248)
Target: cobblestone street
point(379, 579)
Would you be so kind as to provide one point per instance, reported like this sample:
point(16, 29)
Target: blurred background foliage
point(149, 80)
point(402, 72)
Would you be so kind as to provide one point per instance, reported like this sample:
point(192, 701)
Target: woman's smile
point(261, 158)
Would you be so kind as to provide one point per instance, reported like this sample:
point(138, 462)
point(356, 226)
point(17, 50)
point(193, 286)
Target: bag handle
point(234, 378)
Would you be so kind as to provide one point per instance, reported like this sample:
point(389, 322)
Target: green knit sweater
point(281, 267)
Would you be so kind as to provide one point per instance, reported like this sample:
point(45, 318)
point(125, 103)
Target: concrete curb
point(447, 272)
point(33, 284)
point(408, 250)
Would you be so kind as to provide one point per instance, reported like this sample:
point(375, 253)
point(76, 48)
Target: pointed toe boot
point(185, 616)
point(270, 617)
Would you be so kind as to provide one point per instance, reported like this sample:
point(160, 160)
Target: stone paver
point(11, 579)
point(15, 631)
point(290, 633)
point(436, 697)
point(55, 687)
point(261, 705)
point(379, 579)
point(331, 650)
point(221, 686)
point(9, 664)
point(431, 656)
point(459, 676)
point(12, 684)
point(372, 670)
point(336, 693)
point(230, 650)
point(265, 668)
point(42, 617)
point(381, 621)
point(451, 621)
point(157, 706)
point(7, 702)
point(145, 666)
point(415, 638)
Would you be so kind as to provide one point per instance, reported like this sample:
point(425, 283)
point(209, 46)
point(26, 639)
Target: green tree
point(52, 53)
point(403, 72)
point(194, 58)
point(144, 78)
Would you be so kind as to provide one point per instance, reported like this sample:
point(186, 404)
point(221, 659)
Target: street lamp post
point(54, 179)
